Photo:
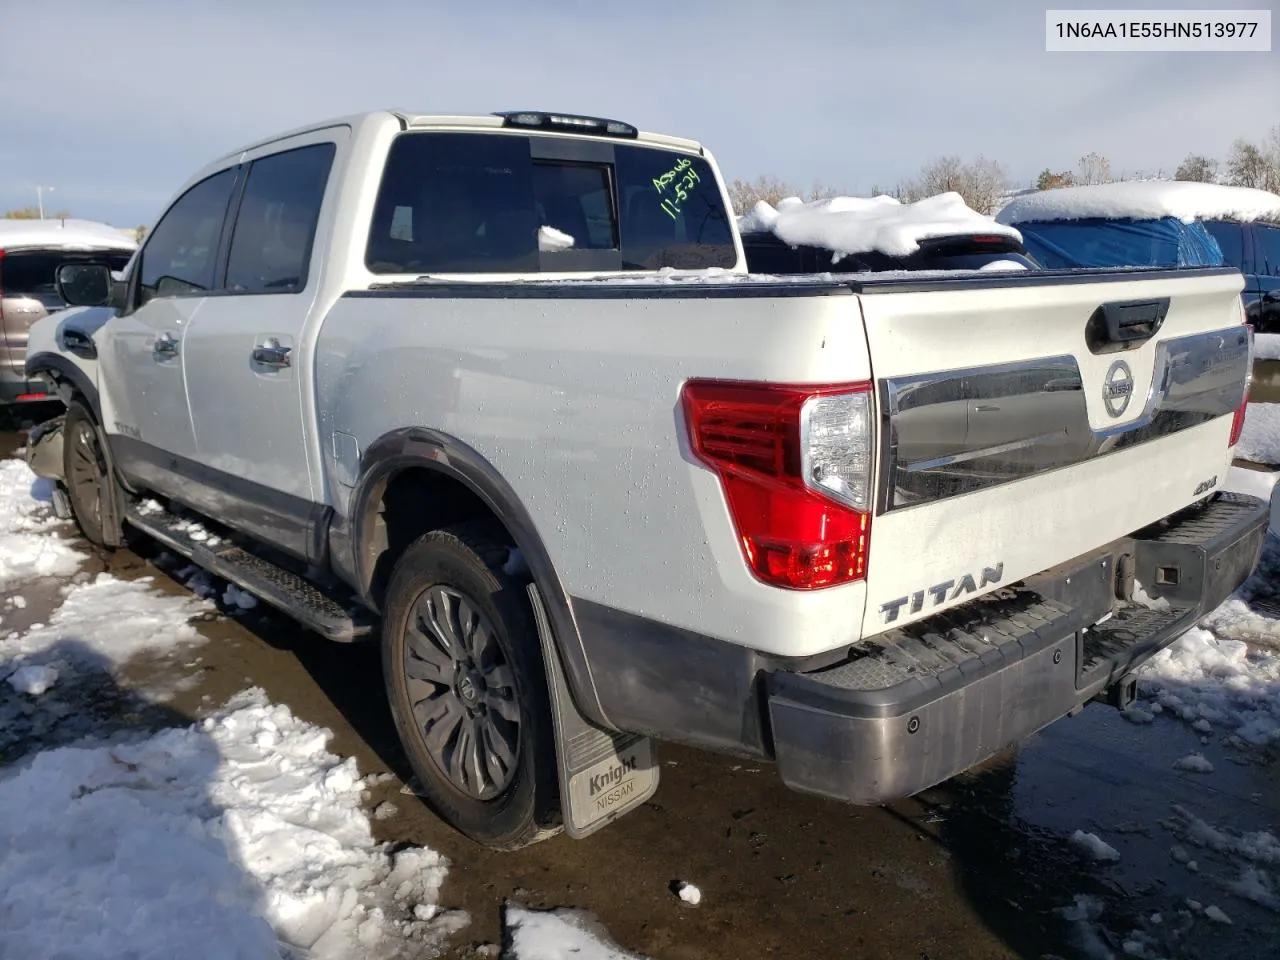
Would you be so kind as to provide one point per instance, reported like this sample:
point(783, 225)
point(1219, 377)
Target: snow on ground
point(29, 543)
point(1204, 677)
point(1143, 200)
point(1260, 438)
point(1094, 847)
point(1266, 346)
point(110, 621)
point(849, 225)
point(242, 830)
point(557, 935)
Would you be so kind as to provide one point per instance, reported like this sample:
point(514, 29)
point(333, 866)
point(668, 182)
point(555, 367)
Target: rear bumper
point(925, 702)
point(15, 387)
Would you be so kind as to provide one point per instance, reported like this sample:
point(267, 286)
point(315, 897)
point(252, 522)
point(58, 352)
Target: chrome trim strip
point(949, 433)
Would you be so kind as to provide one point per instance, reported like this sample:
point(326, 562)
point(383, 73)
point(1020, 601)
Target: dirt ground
point(981, 867)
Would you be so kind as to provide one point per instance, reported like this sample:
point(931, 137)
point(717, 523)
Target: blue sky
point(115, 104)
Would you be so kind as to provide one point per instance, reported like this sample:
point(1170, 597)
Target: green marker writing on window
point(674, 186)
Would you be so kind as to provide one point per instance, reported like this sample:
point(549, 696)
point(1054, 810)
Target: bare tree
point(1198, 168)
point(980, 182)
point(1048, 180)
point(1093, 168)
point(1272, 150)
point(744, 194)
point(33, 213)
point(1247, 166)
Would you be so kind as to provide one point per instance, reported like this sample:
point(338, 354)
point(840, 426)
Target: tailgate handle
point(1117, 325)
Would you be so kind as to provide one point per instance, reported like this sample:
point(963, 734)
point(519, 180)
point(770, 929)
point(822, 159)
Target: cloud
point(116, 104)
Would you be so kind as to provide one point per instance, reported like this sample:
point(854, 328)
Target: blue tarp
point(1167, 242)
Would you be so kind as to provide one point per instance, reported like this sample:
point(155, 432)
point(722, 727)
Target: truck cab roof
point(548, 122)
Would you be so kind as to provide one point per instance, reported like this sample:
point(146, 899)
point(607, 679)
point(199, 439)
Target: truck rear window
point(491, 203)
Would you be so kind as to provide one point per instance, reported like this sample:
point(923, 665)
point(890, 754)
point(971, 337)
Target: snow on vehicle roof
point(66, 234)
point(849, 225)
point(1144, 200)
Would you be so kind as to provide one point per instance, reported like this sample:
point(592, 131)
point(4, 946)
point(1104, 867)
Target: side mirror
point(84, 284)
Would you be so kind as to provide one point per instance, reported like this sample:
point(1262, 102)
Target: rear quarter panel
point(575, 403)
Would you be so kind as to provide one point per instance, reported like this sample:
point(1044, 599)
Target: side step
point(323, 611)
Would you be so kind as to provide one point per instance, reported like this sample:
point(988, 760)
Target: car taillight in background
point(795, 462)
point(1237, 420)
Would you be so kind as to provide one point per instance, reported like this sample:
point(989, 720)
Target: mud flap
point(603, 774)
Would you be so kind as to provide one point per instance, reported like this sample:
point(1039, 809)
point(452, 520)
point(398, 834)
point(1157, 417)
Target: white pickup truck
point(499, 390)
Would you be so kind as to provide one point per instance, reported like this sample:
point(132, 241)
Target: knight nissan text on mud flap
point(499, 393)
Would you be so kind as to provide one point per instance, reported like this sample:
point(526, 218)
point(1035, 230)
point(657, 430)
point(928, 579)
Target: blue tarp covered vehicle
point(1120, 242)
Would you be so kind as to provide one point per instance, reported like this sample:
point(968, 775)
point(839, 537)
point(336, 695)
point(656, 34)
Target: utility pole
point(40, 198)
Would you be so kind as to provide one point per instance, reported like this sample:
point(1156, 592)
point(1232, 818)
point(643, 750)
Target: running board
point(603, 774)
point(323, 611)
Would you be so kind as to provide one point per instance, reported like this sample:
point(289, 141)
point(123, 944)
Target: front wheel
point(84, 470)
point(467, 687)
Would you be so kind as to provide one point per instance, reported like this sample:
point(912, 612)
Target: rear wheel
point(467, 687)
point(84, 470)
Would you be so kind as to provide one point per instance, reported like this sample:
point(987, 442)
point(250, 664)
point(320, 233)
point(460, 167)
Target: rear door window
point(488, 203)
point(275, 226)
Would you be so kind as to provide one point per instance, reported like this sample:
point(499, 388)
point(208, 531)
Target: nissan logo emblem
point(1117, 389)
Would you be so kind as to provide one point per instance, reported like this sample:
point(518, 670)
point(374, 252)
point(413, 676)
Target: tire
point(83, 470)
point(468, 690)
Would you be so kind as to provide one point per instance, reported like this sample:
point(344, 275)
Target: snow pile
point(1195, 762)
point(33, 679)
point(551, 240)
point(1143, 200)
point(1220, 680)
point(1260, 438)
point(690, 894)
point(29, 542)
point(1266, 346)
point(557, 935)
point(111, 620)
point(1094, 847)
point(849, 225)
point(241, 831)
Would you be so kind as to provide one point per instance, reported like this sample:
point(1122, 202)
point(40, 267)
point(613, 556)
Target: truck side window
point(455, 203)
point(276, 223)
point(1269, 240)
point(180, 255)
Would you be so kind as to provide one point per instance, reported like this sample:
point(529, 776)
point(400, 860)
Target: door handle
point(272, 354)
point(166, 346)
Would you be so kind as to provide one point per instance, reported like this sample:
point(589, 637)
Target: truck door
point(247, 371)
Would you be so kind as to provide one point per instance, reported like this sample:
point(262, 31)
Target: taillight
point(795, 462)
point(1237, 419)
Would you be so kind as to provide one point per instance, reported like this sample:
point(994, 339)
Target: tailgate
point(1031, 419)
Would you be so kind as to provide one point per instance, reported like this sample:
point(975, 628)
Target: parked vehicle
point(1160, 223)
point(878, 234)
point(500, 391)
point(30, 253)
point(1255, 249)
